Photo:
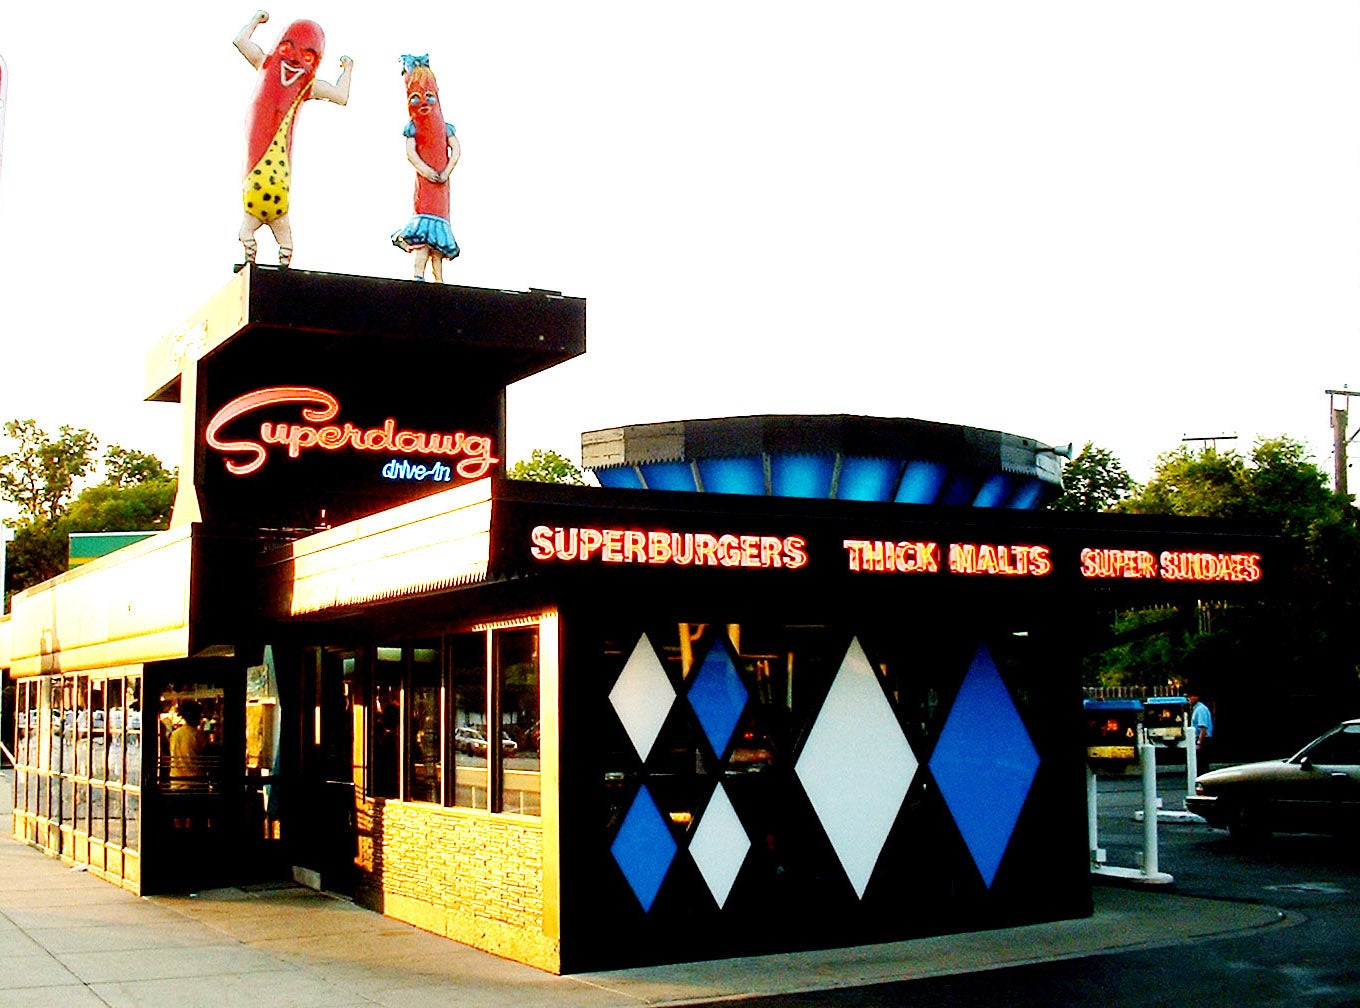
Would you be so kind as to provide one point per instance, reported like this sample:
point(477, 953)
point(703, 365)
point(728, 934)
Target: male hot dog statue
point(287, 79)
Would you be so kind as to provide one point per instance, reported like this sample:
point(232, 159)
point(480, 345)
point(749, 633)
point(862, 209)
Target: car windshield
point(1337, 748)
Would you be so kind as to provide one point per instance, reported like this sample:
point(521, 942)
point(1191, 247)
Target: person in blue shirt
point(1201, 728)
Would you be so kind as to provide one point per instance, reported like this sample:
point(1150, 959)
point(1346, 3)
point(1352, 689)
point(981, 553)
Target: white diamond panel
point(856, 767)
point(643, 697)
point(719, 845)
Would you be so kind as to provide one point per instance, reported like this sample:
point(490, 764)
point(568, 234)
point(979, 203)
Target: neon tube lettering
point(1001, 560)
point(1187, 566)
point(884, 556)
point(319, 407)
point(660, 548)
point(1118, 563)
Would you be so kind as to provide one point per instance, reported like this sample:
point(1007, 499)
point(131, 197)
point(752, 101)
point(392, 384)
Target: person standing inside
point(187, 745)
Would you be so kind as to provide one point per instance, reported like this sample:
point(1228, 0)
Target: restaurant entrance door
point(328, 770)
point(187, 720)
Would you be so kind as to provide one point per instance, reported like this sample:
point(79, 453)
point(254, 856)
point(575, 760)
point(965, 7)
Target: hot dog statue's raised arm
point(287, 79)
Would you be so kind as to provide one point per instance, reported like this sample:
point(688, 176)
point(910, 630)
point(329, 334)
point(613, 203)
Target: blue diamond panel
point(1028, 495)
point(801, 475)
point(619, 478)
point(921, 482)
point(984, 764)
point(668, 476)
point(959, 490)
point(995, 492)
point(869, 479)
point(644, 848)
point(733, 475)
point(718, 697)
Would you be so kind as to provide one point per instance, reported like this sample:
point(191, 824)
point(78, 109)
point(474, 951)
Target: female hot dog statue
point(433, 150)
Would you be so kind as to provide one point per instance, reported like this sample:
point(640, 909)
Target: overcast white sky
point(1120, 222)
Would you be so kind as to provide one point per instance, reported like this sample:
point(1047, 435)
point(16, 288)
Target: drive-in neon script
point(246, 455)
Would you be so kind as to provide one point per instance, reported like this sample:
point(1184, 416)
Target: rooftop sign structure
point(316, 398)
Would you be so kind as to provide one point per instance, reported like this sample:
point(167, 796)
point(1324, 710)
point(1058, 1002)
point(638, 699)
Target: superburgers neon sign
point(719, 548)
point(470, 455)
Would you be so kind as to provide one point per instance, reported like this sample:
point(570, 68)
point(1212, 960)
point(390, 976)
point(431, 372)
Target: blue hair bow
point(409, 63)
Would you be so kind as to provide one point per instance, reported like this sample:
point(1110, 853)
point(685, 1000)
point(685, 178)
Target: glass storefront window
point(516, 692)
point(114, 745)
point(467, 671)
point(188, 736)
point(78, 756)
point(132, 820)
point(425, 749)
point(51, 808)
point(385, 762)
point(23, 757)
point(133, 757)
point(97, 828)
point(476, 715)
point(114, 803)
point(68, 801)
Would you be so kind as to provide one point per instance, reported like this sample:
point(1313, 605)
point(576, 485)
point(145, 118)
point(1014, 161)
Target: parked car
point(1315, 790)
point(470, 740)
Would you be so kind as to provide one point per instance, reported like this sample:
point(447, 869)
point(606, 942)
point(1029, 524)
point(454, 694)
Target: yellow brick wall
point(466, 875)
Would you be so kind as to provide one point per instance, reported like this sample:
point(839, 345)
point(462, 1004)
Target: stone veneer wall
point(467, 875)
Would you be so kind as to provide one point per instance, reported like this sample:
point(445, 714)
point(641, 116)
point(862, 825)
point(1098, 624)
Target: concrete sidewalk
point(68, 939)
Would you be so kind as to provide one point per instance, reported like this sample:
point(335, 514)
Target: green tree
point(132, 507)
point(1093, 481)
point(1203, 484)
point(40, 475)
point(125, 467)
point(1299, 644)
point(40, 478)
point(37, 552)
point(546, 466)
point(1278, 485)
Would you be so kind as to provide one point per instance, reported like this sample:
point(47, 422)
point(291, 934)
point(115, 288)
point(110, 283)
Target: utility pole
point(1339, 439)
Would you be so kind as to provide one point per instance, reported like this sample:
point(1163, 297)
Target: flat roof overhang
point(126, 607)
point(497, 335)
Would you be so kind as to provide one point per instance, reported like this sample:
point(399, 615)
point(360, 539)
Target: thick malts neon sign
point(247, 455)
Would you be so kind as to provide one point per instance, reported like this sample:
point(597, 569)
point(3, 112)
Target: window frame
point(492, 712)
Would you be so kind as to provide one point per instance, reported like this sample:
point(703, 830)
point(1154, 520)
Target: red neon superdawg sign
point(246, 455)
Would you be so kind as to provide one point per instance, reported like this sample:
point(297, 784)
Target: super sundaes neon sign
point(245, 455)
point(1170, 565)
